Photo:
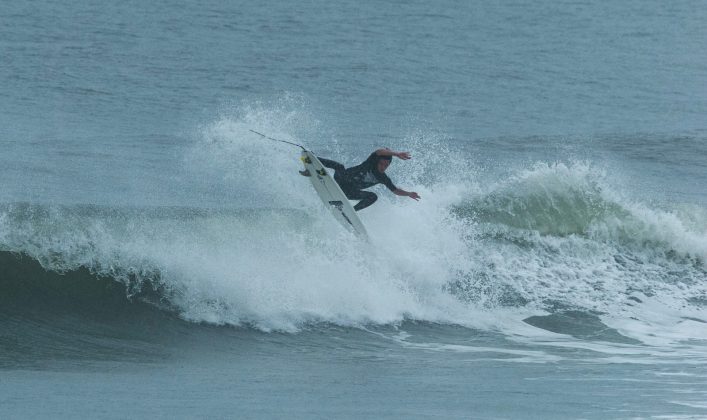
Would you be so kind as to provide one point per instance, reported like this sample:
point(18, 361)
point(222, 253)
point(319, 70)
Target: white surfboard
point(332, 196)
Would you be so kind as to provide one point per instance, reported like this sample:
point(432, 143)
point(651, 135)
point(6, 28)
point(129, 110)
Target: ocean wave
point(564, 200)
point(28, 287)
point(463, 262)
point(548, 238)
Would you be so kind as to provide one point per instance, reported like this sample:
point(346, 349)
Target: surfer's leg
point(367, 198)
point(336, 166)
point(328, 163)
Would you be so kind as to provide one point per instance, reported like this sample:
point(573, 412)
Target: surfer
point(369, 173)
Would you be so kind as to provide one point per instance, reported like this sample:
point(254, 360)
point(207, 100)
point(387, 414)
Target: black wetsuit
point(356, 178)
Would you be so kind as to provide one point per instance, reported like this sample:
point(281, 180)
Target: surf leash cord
point(281, 141)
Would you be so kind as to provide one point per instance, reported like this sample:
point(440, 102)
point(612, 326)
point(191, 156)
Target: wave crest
point(562, 200)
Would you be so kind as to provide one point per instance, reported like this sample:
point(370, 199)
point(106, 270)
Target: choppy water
point(159, 259)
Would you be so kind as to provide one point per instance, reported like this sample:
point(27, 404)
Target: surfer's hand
point(402, 155)
point(404, 193)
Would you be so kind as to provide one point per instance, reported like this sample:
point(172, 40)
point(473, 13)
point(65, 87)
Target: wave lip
point(49, 318)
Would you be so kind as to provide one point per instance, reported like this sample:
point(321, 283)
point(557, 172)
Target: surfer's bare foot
point(305, 173)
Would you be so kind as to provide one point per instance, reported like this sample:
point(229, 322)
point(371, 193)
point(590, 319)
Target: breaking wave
point(544, 240)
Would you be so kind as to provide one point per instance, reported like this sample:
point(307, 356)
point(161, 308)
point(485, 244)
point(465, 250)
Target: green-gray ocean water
point(159, 260)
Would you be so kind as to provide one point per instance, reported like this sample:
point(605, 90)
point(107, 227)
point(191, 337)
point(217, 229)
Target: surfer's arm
point(383, 178)
point(404, 193)
point(387, 152)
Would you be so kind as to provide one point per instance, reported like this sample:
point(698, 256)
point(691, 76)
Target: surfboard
point(333, 198)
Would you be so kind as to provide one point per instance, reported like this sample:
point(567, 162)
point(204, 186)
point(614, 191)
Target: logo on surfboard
point(340, 206)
